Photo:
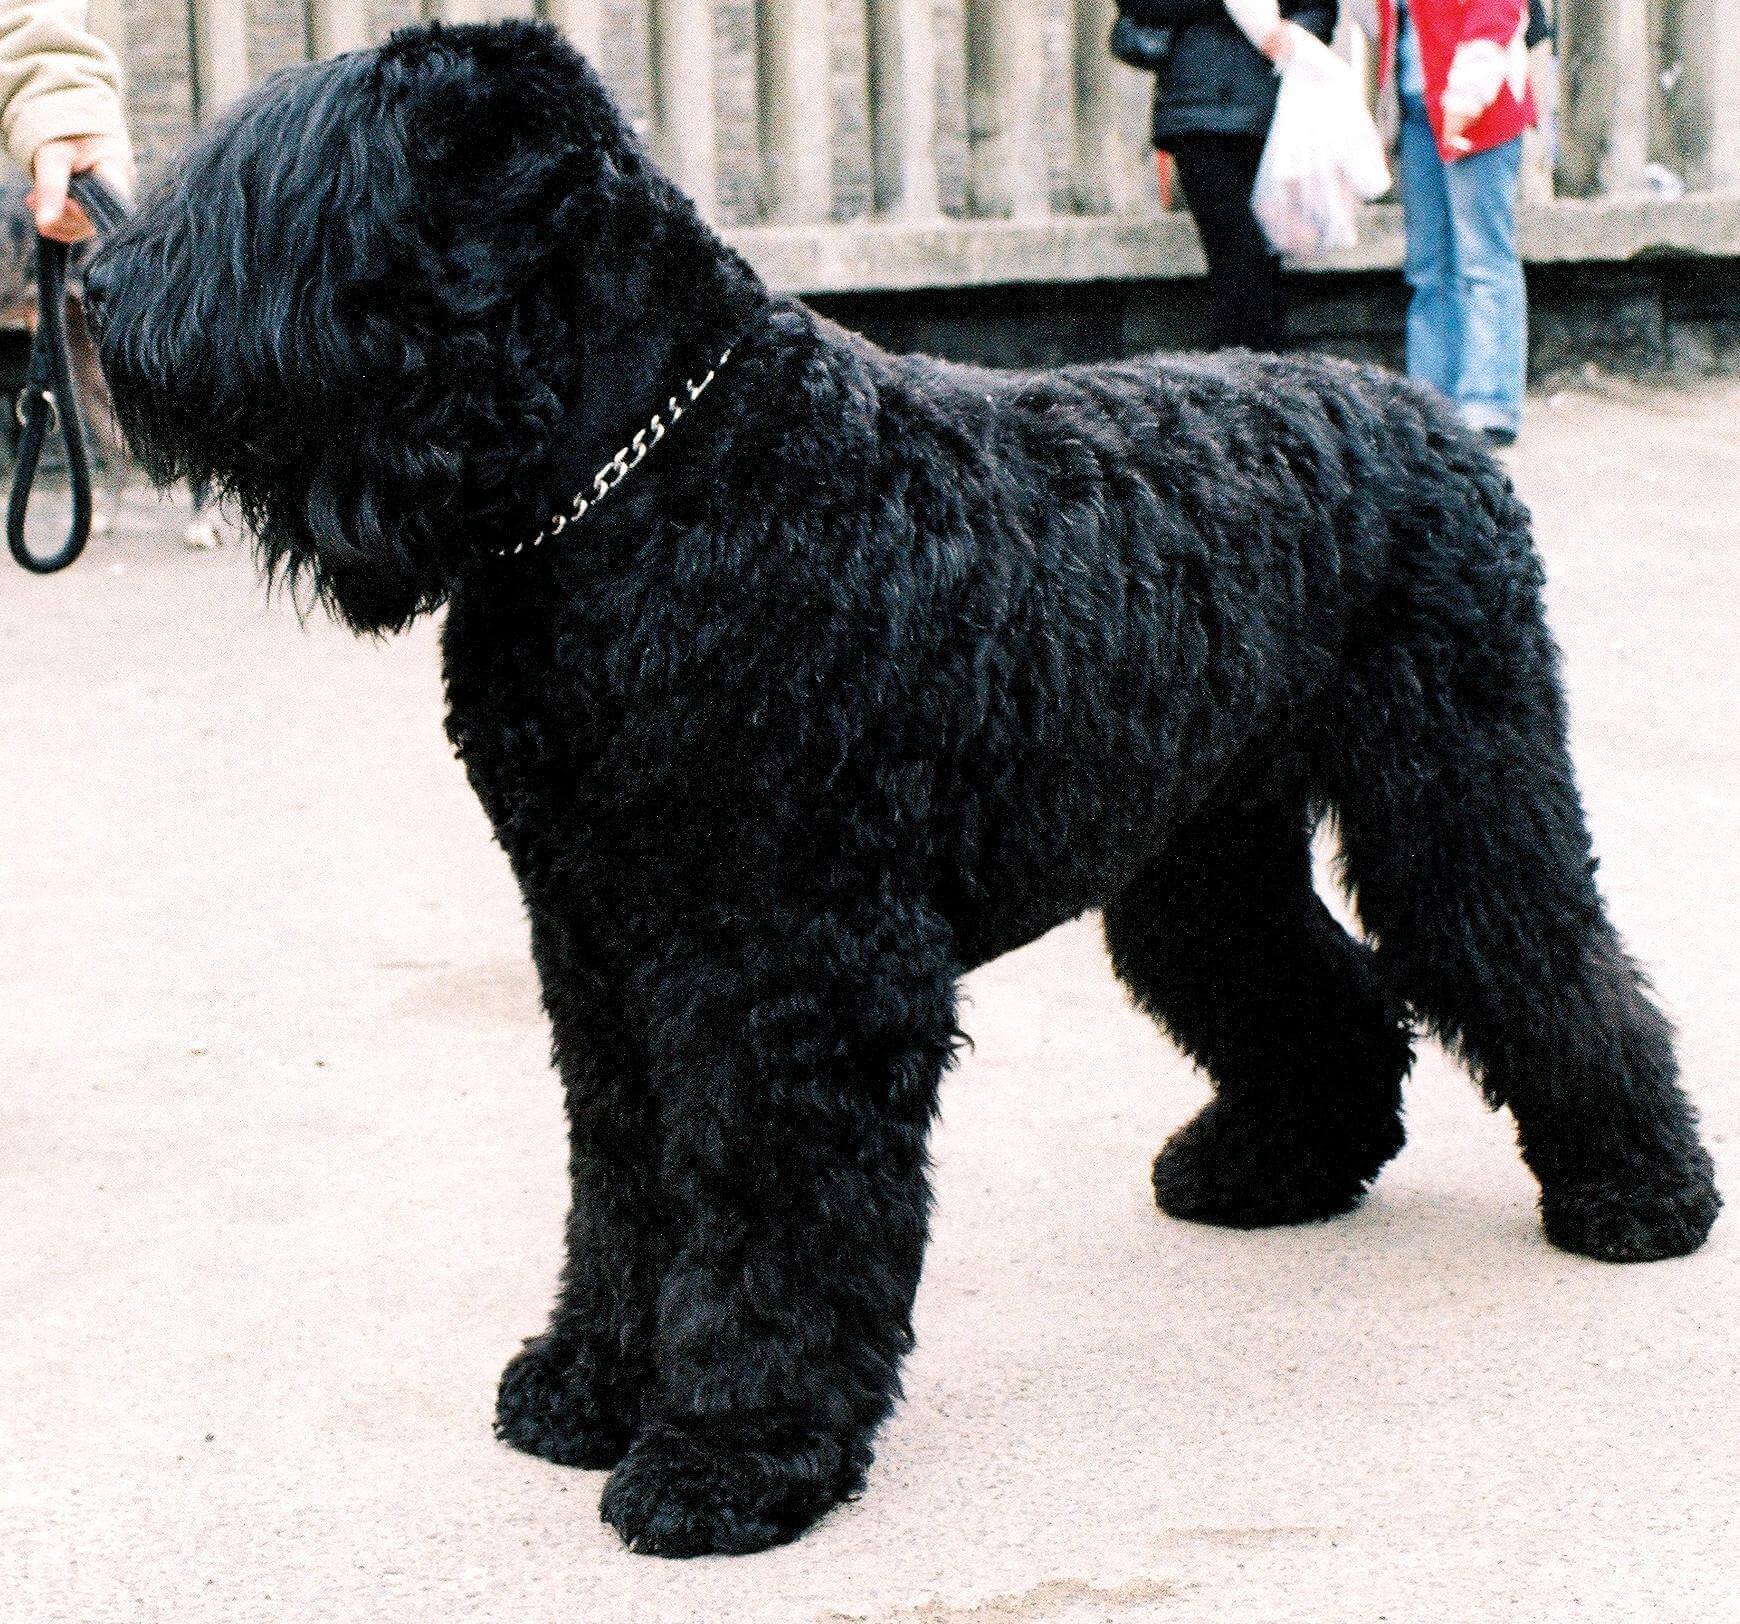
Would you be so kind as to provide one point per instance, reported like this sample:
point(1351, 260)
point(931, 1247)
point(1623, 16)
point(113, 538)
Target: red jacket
point(1447, 29)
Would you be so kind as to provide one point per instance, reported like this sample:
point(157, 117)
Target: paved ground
point(281, 1178)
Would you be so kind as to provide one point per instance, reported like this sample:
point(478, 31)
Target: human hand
point(1277, 44)
point(108, 157)
point(1456, 132)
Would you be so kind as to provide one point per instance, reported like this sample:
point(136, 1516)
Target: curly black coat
point(876, 668)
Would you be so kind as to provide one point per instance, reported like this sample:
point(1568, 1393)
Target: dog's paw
point(547, 1407)
point(727, 1488)
point(1244, 1170)
point(1625, 1222)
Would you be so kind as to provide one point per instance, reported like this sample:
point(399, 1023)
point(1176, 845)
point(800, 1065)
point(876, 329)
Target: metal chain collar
point(622, 464)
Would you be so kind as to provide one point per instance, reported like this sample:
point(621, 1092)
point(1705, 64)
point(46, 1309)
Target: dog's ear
point(502, 120)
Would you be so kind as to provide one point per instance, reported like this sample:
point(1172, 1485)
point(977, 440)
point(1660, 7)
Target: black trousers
point(1216, 173)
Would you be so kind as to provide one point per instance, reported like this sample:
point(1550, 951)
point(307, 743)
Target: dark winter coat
point(1215, 81)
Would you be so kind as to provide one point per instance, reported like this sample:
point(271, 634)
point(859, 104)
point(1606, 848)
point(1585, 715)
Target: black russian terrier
point(798, 679)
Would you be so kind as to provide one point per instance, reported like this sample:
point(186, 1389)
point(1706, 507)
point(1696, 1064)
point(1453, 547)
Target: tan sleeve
point(56, 78)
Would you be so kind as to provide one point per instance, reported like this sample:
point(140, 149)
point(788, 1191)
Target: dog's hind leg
point(1224, 941)
point(1465, 843)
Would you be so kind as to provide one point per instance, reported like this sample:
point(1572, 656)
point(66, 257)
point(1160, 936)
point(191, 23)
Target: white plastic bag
point(1323, 155)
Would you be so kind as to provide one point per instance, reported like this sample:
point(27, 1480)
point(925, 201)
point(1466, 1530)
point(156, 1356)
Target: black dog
point(848, 672)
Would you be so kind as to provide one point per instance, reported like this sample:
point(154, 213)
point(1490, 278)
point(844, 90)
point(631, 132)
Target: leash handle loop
point(49, 402)
point(104, 207)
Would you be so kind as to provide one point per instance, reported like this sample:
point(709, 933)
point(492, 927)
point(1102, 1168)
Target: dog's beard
point(373, 570)
point(329, 542)
point(373, 597)
point(348, 500)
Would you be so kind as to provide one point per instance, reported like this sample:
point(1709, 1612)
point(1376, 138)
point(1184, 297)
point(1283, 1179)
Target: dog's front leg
point(797, 1081)
point(573, 1394)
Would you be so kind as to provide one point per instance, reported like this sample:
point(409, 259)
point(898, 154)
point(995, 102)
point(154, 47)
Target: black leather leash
point(49, 400)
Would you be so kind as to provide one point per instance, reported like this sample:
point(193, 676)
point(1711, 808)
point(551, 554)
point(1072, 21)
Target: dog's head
point(361, 304)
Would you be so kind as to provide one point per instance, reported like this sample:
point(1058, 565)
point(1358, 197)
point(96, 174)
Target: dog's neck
point(687, 298)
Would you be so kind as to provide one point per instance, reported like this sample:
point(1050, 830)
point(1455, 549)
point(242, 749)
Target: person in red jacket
point(1461, 69)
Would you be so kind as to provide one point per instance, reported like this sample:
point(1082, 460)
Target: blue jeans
point(1468, 314)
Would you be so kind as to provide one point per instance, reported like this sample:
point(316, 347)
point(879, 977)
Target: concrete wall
point(857, 145)
point(1664, 318)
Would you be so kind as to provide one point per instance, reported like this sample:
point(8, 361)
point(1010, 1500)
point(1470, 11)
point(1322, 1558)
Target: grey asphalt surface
point(281, 1181)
